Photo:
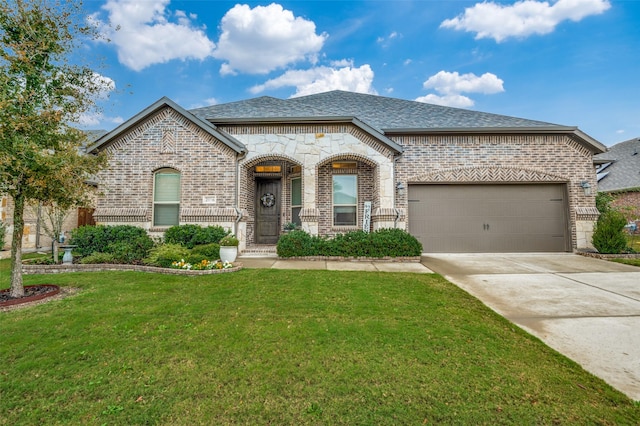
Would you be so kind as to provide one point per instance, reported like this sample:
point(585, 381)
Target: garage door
point(489, 218)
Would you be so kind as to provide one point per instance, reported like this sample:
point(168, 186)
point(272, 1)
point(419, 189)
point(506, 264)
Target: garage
point(489, 218)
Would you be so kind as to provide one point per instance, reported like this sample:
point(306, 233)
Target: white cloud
point(143, 34)
point(458, 101)
point(104, 86)
point(205, 103)
point(386, 41)
point(523, 18)
point(265, 38)
point(322, 79)
point(95, 119)
point(450, 85)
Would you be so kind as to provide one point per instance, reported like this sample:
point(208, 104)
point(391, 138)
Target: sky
point(567, 62)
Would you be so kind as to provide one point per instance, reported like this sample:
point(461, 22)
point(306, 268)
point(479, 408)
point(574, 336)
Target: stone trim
point(309, 214)
point(348, 156)
point(387, 215)
point(489, 175)
point(60, 269)
point(208, 214)
point(587, 213)
point(121, 215)
point(270, 157)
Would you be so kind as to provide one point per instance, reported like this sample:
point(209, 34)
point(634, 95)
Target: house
point(618, 173)
point(459, 180)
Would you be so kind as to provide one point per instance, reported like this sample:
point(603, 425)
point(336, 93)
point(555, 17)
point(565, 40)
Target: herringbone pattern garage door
point(499, 218)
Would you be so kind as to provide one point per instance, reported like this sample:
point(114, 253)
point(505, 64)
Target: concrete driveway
point(587, 309)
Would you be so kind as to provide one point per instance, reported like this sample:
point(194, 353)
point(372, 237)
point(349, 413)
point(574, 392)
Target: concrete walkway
point(587, 309)
point(333, 265)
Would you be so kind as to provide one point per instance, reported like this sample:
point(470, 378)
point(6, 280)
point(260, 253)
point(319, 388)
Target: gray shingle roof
point(624, 171)
point(382, 113)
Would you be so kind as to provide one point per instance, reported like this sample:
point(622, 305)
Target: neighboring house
point(618, 173)
point(459, 180)
point(34, 236)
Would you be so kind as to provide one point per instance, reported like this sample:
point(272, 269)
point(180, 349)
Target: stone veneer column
point(387, 186)
point(309, 213)
point(586, 218)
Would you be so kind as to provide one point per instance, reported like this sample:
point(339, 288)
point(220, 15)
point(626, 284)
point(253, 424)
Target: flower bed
point(59, 269)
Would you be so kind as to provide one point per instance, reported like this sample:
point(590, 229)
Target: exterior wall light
point(586, 187)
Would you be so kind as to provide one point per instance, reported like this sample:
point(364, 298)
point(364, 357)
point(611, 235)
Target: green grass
point(283, 347)
point(632, 262)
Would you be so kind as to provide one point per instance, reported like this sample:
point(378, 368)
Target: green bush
point(381, 243)
point(117, 240)
point(193, 235)
point(132, 251)
point(210, 251)
point(297, 243)
point(165, 254)
point(98, 257)
point(609, 236)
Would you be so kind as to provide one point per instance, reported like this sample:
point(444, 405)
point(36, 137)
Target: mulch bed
point(32, 293)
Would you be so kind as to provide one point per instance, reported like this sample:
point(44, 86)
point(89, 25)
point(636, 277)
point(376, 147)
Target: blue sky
point(569, 62)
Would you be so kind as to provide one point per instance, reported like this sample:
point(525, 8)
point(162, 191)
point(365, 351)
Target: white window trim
point(165, 170)
point(333, 205)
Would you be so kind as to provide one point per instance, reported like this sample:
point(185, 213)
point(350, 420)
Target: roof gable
point(164, 102)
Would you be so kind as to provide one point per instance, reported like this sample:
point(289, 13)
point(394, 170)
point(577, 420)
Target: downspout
point(395, 191)
point(239, 157)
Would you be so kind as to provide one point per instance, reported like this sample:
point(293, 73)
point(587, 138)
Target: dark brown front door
point(267, 211)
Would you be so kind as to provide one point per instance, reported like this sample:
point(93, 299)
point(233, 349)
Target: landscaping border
point(609, 256)
point(101, 267)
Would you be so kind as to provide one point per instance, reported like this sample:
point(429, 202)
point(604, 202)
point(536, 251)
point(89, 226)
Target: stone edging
point(609, 256)
point(59, 269)
point(403, 259)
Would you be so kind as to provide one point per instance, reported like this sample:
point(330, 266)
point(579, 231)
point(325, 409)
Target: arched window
point(166, 197)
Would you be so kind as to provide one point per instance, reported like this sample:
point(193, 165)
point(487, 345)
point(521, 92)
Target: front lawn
point(283, 347)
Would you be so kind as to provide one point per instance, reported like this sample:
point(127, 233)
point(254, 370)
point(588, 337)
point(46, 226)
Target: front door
point(267, 211)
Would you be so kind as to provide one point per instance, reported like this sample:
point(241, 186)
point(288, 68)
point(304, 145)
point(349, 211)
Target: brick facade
point(167, 140)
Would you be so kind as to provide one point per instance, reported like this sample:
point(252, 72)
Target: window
point(166, 198)
point(296, 200)
point(345, 200)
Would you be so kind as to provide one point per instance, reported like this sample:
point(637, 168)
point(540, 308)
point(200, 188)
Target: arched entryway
point(271, 196)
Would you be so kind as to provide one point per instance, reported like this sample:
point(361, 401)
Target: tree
point(53, 217)
point(42, 93)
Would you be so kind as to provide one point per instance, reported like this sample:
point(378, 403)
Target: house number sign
point(268, 199)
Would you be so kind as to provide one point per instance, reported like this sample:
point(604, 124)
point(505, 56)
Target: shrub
point(609, 236)
point(132, 251)
point(296, 243)
point(98, 257)
point(381, 243)
point(108, 239)
point(165, 254)
point(193, 235)
point(210, 251)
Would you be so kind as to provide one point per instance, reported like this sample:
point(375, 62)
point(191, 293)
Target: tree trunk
point(17, 289)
